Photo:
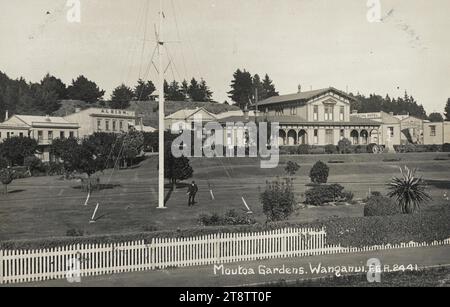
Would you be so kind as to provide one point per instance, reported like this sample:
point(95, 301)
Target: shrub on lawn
point(278, 200)
point(291, 168)
point(74, 232)
point(378, 205)
point(371, 147)
point(323, 194)
point(319, 173)
point(34, 165)
point(231, 217)
point(331, 149)
point(344, 146)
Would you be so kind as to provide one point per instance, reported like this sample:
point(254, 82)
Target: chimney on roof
point(299, 88)
point(6, 115)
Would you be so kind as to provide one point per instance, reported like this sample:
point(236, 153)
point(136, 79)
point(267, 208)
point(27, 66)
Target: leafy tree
point(121, 97)
point(45, 98)
point(85, 90)
point(6, 177)
point(319, 173)
point(278, 200)
point(176, 169)
point(435, 117)
point(143, 90)
point(241, 88)
point(268, 88)
point(133, 144)
point(257, 88)
point(376, 103)
point(51, 83)
point(16, 149)
point(409, 191)
point(291, 168)
point(447, 110)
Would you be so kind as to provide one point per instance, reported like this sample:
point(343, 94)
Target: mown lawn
point(48, 206)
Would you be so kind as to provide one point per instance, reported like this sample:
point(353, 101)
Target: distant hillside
point(149, 109)
point(69, 106)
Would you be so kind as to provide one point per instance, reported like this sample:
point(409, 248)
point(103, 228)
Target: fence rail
point(18, 266)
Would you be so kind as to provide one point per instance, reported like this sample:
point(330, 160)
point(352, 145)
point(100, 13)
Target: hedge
point(378, 205)
point(426, 226)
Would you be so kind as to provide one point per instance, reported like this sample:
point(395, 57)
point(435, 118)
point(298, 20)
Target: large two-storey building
point(318, 117)
point(44, 129)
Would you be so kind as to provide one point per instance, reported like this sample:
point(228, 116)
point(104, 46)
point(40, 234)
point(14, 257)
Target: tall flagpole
point(161, 204)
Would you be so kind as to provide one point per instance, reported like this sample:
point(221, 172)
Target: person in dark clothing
point(192, 190)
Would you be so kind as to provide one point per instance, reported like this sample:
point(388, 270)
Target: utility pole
point(160, 43)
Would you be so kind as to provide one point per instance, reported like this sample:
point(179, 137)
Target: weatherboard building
point(318, 117)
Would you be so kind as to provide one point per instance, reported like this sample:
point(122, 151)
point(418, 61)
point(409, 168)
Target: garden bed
point(426, 226)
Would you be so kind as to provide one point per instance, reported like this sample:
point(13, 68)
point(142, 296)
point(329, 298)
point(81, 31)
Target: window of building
point(7, 135)
point(71, 134)
point(50, 135)
point(329, 136)
point(121, 125)
point(342, 134)
point(40, 135)
point(316, 113)
point(114, 125)
point(341, 113)
point(432, 130)
point(21, 134)
point(391, 132)
point(62, 135)
point(328, 113)
point(107, 125)
point(99, 124)
point(293, 111)
point(279, 111)
point(316, 136)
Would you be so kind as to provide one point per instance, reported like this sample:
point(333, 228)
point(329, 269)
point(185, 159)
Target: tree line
point(247, 89)
point(401, 105)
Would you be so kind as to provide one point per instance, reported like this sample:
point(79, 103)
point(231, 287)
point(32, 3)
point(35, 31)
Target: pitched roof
point(187, 113)
point(29, 119)
point(302, 96)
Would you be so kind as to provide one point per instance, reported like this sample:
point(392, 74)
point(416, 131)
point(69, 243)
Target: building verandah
point(293, 135)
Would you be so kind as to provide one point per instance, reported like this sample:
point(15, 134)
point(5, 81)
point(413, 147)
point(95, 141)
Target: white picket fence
point(18, 266)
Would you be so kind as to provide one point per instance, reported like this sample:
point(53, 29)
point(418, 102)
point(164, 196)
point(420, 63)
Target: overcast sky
point(315, 43)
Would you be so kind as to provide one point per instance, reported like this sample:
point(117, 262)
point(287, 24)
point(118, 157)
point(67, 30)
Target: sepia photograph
point(224, 149)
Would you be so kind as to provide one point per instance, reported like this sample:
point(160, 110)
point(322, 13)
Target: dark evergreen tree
point(85, 90)
point(121, 97)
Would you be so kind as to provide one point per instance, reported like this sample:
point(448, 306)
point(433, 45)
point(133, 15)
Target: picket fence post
point(1, 266)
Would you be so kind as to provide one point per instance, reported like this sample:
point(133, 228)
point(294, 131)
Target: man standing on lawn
point(192, 190)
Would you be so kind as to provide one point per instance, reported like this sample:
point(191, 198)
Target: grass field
point(48, 206)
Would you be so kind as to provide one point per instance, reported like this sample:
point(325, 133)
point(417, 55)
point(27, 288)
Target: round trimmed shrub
point(319, 173)
point(378, 205)
point(344, 146)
